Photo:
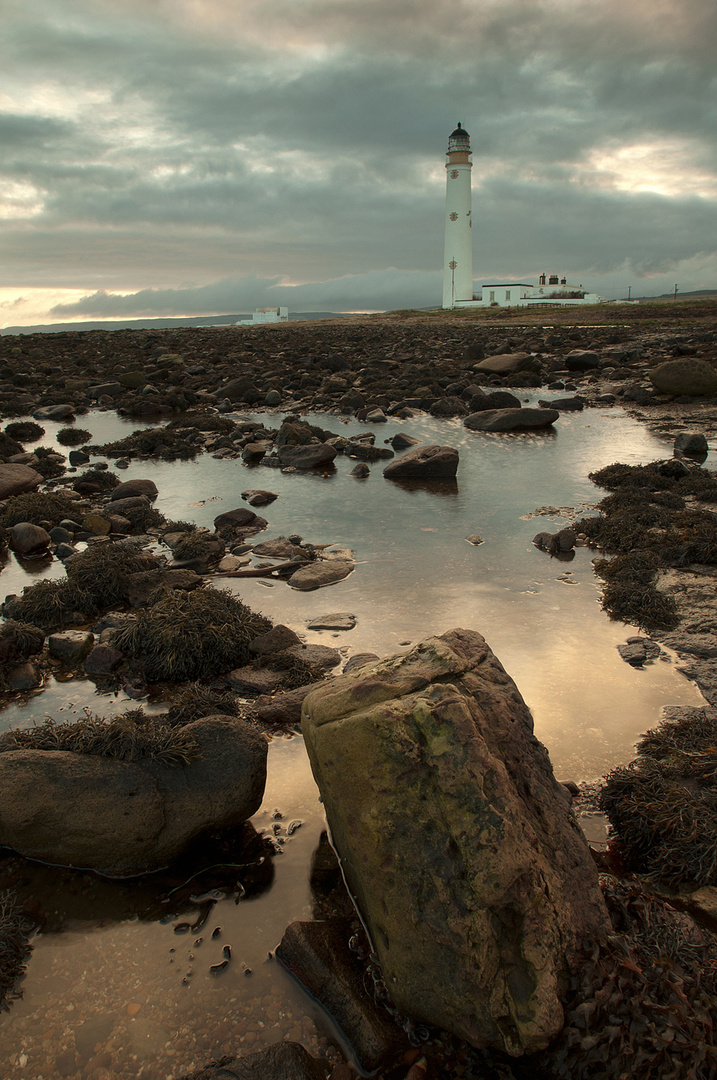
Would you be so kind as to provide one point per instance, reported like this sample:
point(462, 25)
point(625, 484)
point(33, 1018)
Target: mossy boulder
point(457, 843)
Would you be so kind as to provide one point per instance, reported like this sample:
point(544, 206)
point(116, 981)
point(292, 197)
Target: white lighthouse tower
point(458, 251)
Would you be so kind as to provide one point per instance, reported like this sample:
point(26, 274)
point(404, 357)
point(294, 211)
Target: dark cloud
point(151, 144)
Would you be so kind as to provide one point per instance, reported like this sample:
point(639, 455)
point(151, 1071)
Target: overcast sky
point(182, 157)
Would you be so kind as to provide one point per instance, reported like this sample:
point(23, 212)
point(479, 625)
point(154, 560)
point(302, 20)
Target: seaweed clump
point(646, 523)
point(191, 636)
point(161, 442)
point(194, 702)
point(24, 431)
point(15, 949)
point(96, 579)
point(48, 462)
point(35, 507)
point(641, 1002)
point(663, 806)
point(8, 446)
point(121, 737)
point(71, 436)
point(18, 641)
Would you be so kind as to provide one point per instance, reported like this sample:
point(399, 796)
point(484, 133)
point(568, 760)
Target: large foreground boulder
point(123, 818)
point(457, 843)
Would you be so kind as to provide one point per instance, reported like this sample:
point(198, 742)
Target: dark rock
point(555, 543)
point(448, 406)
point(103, 660)
point(257, 497)
point(24, 677)
point(691, 443)
point(401, 441)
point(27, 539)
point(582, 360)
point(424, 462)
point(277, 639)
point(637, 650)
point(78, 457)
point(339, 621)
point(309, 456)
point(366, 452)
point(280, 547)
point(240, 389)
point(132, 502)
point(498, 399)
point(16, 479)
point(360, 471)
point(109, 389)
point(54, 412)
point(142, 585)
point(281, 709)
point(317, 954)
point(320, 657)
point(511, 419)
point(255, 681)
point(508, 363)
point(239, 522)
point(282, 1061)
point(319, 573)
point(694, 378)
point(70, 646)
point(359, 660)
point(566, 404)
point(132, 488)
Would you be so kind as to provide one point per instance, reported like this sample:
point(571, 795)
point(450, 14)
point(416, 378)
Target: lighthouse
point(458, 251)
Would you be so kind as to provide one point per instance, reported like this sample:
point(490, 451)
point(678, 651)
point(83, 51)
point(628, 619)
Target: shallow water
point(416, 574)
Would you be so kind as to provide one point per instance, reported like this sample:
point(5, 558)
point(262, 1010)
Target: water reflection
point(129, 993)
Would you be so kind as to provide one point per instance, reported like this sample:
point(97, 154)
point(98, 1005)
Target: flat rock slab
point(16, 479)
point(282, 1061)
point(457, 843)
point(339, 621)
point(321, 572)
point(510, 419)
point(317, 954)
point(507, 363)
point(54, 412)
point(278, 548)
point(251, 680)
point(321, 657)
point(284, 708)
point(70, 646)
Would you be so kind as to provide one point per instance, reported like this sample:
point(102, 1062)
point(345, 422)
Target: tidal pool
point(108, 991)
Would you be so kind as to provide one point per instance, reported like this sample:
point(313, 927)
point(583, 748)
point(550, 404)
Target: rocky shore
point(142, 595)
